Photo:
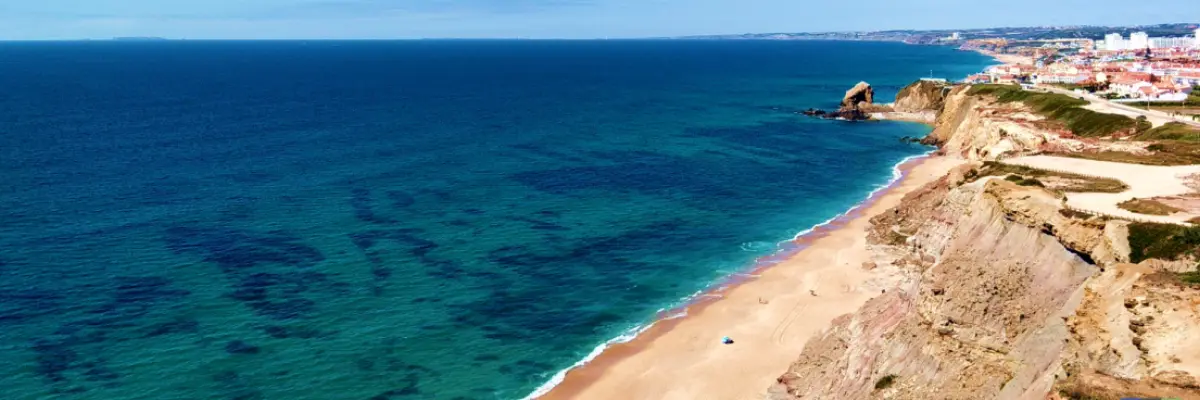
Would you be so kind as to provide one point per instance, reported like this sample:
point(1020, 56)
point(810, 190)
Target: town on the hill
point(1154, 71)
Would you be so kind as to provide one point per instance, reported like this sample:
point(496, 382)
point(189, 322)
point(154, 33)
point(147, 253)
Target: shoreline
point(624, 366)
point(1005, 59)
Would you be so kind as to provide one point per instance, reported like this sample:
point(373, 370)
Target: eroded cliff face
point(921, 96)
point(1003, 294)
point(983, 312)
point(977, 127)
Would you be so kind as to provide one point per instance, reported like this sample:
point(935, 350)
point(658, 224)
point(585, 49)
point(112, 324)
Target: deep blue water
point(400, 220)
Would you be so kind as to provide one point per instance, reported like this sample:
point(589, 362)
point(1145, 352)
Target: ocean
point(402, 219)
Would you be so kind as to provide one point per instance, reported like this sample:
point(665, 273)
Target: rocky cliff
point(921, 96)
point(977, 127)
point(1004, 294)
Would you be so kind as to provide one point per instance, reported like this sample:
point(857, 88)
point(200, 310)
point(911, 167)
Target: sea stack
point(860, 94)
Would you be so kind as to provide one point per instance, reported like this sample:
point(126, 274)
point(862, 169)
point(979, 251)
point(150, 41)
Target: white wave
point(560, 375)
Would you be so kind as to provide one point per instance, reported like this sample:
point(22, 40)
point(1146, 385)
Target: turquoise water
point(401, 220)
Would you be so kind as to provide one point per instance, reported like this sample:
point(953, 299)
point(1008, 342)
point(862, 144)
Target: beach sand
point(1008, 58)
point(683, 358)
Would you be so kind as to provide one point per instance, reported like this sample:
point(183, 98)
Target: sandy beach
point(770, 317)
point(1008, 58)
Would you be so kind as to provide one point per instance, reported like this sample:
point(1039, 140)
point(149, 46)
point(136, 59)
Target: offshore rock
point(862, 93)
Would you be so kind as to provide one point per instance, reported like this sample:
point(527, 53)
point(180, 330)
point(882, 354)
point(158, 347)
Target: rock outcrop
point(1003, 293)
point(861, 94)
point(921, 96)
point(977, 127)
point(973, 322)
point(856, 105)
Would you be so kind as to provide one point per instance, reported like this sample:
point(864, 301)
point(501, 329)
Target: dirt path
point(1144, 181)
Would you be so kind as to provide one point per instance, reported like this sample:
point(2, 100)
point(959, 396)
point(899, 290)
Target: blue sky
point(345, 19)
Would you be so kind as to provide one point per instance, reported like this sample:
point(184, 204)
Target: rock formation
point(1004, 294)
point(860, 94)
point(921, 96)
point(857, 105)
point(978, 127)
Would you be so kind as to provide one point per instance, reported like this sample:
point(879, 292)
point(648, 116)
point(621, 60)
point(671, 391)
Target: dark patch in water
point(539, 224)
point(362, 204)
point(240, 347)
point(233, 250)
point(271, 272)
point(400, 199)
point(178, 326)
point(74, 354)
point(286, 332)
point(22, 305)
point(374, 245)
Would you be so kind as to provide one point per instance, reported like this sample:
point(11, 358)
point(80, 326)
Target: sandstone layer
point(1004, 293)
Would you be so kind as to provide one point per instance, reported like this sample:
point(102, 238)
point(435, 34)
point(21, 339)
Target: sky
point(397, 19)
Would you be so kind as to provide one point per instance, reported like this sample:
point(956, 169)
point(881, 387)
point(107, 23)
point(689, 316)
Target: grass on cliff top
point(1171, 131)
point(1162, 241)
point(1147, 206)
point(1166, 152)
point(1062, 108)
point(1027, 176)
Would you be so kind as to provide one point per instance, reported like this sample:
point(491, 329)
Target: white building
point(1169, 42)
point(1139, 40)
point(1114, 42)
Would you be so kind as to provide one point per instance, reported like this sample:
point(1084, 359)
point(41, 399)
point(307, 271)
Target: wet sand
point(770, 317)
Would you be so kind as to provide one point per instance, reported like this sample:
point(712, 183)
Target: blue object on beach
point(726, 340)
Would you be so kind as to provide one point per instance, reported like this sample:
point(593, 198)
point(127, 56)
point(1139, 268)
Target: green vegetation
point(1168, 152)
point(1147, 206)
point(885, 382)
point(1163, 241)
point(1142, 124)
point(1073, 183)
point(1023, 181)
point(1171, 131)
point(1191, 278)
point(1062, 108)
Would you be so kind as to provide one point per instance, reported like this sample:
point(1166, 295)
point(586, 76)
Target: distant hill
point(139, 39)
point(943, 35)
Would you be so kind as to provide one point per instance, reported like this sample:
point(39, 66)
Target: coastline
point(1006, 58)
point(679, 356)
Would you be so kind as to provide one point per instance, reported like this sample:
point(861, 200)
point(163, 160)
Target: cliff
point(921, 96)
point(1004, 294)
point(978, 127)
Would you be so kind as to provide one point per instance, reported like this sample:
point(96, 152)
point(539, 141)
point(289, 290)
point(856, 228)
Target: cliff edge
point(1006, 294)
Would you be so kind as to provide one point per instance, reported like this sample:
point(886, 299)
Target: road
point(1098, 104)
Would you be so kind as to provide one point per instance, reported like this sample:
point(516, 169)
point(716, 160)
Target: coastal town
point(1156, 73)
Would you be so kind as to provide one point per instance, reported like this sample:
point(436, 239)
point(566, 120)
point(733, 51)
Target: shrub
point(1171, 131)
point(1143, 124)
point(1076, 183)
point(1023, 181)
point(1162, 241)
point(1147, 206)
point(885, 382)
